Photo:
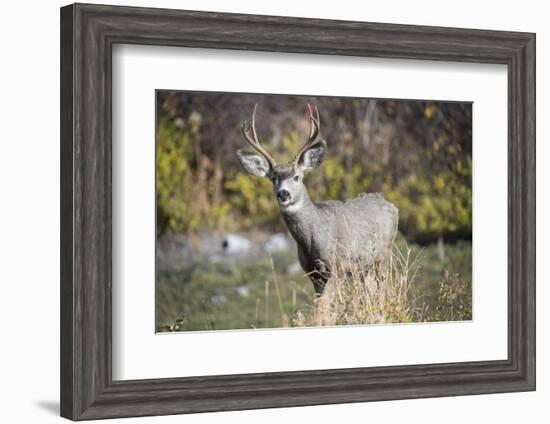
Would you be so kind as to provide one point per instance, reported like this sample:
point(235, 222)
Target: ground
point(265, 290)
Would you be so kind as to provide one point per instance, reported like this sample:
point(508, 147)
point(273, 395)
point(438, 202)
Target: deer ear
point(253, 164)
point(313, 157)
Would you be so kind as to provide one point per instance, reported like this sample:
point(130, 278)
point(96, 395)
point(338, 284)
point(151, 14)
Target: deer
point(363, 229)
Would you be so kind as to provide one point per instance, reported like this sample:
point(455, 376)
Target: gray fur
point(362, 229)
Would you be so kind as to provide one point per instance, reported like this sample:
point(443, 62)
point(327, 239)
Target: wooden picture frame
point(88, 33)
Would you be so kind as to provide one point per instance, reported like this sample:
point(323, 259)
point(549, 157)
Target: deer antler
point(249, 132)
point(314, 126)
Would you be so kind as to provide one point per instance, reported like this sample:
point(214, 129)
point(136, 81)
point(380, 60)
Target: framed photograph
point(263, 212)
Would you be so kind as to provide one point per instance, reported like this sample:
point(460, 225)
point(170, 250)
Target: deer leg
point(319, 281)
point(319, 285)
point(320, 277)
point(325, 291)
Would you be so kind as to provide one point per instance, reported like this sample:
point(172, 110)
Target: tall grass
point(355, 294)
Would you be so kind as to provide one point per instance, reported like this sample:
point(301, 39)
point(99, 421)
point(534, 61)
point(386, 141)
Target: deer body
point(361, 229)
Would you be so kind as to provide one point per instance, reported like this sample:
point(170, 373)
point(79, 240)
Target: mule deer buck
point(362, 229)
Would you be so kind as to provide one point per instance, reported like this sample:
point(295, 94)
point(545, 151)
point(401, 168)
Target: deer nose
point(283, 195)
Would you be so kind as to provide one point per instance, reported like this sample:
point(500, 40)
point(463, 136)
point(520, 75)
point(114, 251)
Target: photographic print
point(279, 211)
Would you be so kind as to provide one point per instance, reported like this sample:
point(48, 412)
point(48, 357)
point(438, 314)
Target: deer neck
point(300, 220)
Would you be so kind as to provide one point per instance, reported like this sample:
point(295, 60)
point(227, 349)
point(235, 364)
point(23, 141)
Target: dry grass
point(354, 294)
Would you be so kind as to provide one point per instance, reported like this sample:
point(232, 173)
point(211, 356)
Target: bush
point(454, 300)
point(436, 205)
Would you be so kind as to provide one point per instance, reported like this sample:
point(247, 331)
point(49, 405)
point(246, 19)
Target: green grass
point(433, 274)
point(261, 293)
point(273, 293)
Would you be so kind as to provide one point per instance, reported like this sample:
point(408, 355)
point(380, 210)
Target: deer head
point(287, 179)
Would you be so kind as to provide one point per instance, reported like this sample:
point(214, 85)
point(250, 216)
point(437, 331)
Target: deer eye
point(296, 178)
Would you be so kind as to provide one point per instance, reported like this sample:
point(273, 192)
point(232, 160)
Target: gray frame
point(88, 33)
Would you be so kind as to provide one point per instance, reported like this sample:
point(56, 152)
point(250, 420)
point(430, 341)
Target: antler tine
point(254, 124)
point(314, 123)
point(314, 127)
point(253, 140)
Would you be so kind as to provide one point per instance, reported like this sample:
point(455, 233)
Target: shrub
point(454, 300)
